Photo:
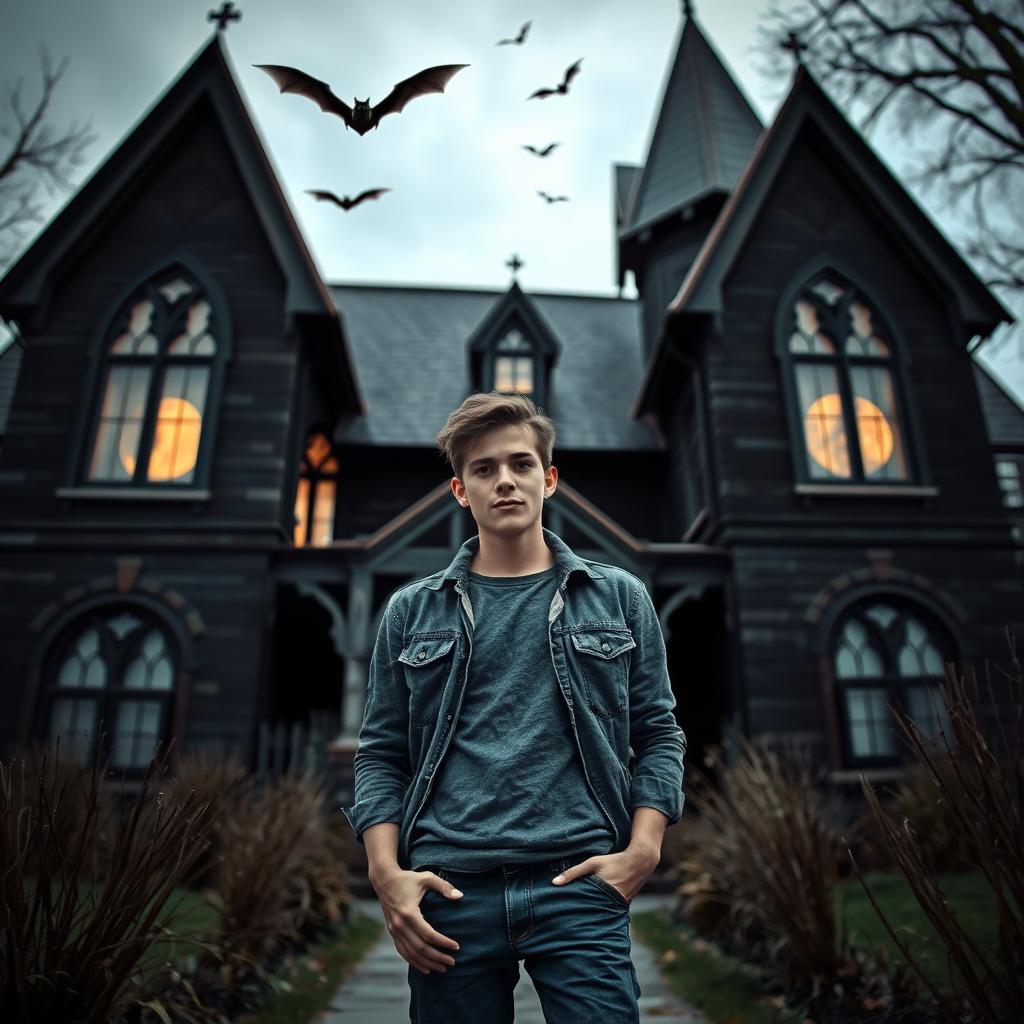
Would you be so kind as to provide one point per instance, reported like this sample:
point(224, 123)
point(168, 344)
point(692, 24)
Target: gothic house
point(216, 467)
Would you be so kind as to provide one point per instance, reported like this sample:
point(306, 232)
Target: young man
point(502, 816)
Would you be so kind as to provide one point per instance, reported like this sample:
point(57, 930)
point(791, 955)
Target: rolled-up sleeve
point(654, 734)
point(382, 770)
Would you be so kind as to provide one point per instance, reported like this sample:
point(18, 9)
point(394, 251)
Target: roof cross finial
point(226, 13)
point(515, 263)
point(687, 8)
point(795, 46)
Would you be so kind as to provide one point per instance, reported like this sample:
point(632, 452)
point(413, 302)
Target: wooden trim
point(131, 493)
point(896, 773)
point(868, 490)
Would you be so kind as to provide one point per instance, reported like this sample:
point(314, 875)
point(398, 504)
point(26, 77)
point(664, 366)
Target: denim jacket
point(608, 655)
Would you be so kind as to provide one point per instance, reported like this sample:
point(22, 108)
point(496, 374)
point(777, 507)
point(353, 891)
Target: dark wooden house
point(216, 466)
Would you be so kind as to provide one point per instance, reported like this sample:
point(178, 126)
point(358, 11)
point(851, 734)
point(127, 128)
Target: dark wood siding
point(193, 200)
point(812, 213)
point(218, 601)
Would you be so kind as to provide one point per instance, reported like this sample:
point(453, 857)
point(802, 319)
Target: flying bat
point(552, 199)
point(519, 39)
point(570, 73)
point(345, 202)
point(362, 117)
point(542, 152)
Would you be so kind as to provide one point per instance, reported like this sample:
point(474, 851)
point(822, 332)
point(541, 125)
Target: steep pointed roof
point(516, 303)
point(1004, 416)
point(207, 76)
point(978, 310)
point(703, 136)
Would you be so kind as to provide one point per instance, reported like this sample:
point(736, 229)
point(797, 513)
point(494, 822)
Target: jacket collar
point(566, 561)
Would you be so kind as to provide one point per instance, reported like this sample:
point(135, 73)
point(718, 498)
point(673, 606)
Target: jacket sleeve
point(382, 770)
point(654, 734)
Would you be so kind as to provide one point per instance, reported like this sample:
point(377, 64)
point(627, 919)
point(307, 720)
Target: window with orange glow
point(157, 376)
point(316, 493)
point(844, 376)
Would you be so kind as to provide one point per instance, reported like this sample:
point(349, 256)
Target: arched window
point(843, 378)
point(888, 651)
point(514, 364)
point(316, 493)
point(117, 664)
point(161, 359)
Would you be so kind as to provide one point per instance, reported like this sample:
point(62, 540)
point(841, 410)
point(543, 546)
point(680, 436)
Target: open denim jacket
point(608, 655)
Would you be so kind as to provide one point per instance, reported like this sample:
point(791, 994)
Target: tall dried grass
point(75, 928)
point(982, 787)
point(768, 866)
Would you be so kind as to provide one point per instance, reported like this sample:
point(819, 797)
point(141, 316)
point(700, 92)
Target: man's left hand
point(626, 871)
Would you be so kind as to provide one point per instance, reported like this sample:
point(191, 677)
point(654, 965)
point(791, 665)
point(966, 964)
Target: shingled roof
point(702, 139)
point(409, 347)
point(1003, 415)
point(10, 363)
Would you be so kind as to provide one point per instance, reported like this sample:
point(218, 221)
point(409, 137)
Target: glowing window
point(845, 386)
point(158, 365)
point(316, 493)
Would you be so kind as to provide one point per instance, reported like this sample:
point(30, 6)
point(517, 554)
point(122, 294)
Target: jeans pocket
point(608, 888)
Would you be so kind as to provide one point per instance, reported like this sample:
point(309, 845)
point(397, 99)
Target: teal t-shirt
point(511, 787)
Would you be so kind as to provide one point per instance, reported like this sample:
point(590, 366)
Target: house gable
point(808, 113)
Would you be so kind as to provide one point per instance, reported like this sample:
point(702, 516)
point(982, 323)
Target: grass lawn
point(968, 895)
point(307, 983)
point(728, 990)
point(724, 989)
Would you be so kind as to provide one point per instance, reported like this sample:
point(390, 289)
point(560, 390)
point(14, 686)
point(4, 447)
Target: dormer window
point(843, 374)
point(514, 364)
point(514, 349)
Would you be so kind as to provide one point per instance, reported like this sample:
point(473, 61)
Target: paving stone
point(377, 992)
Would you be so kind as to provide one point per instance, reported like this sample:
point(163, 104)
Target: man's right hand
point(400, 893)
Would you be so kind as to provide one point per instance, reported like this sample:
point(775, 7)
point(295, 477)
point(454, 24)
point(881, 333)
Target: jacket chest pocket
point(428, 660)
point(603, 661)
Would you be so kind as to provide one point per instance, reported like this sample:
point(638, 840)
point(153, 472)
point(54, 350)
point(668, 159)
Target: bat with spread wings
point(345, 202)
point(361, 117)
point(542, 152)
point(570, 73)
point(519, 39)
point(552, 199)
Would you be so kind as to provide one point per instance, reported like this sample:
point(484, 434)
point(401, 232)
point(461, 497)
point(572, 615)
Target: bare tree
point(37, 154)
point(948, 74)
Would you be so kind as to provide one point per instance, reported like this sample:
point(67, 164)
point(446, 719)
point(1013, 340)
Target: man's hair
point(482, 412)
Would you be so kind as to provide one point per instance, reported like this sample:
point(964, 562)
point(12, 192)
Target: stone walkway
point(377, 992)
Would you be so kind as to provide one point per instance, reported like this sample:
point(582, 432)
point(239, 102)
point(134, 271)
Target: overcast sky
point(464, 192)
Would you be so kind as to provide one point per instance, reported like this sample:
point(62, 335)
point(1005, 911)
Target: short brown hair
point(482, 412)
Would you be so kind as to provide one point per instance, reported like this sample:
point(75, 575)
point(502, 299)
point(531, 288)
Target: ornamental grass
point(978, 779)
point(76, 925)
point(764, 877)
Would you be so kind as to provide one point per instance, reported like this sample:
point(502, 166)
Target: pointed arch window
point(846, 386)
point(316, 493)
point(116, 666)
point(161, 364)
point(887, 651)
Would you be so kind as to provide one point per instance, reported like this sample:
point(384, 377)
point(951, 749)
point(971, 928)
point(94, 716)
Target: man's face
point(503, 480)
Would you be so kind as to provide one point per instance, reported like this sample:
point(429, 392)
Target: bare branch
point(37, 153)
point(955, 67)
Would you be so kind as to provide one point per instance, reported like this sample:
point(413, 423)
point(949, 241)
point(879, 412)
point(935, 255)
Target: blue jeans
point(573, 939)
